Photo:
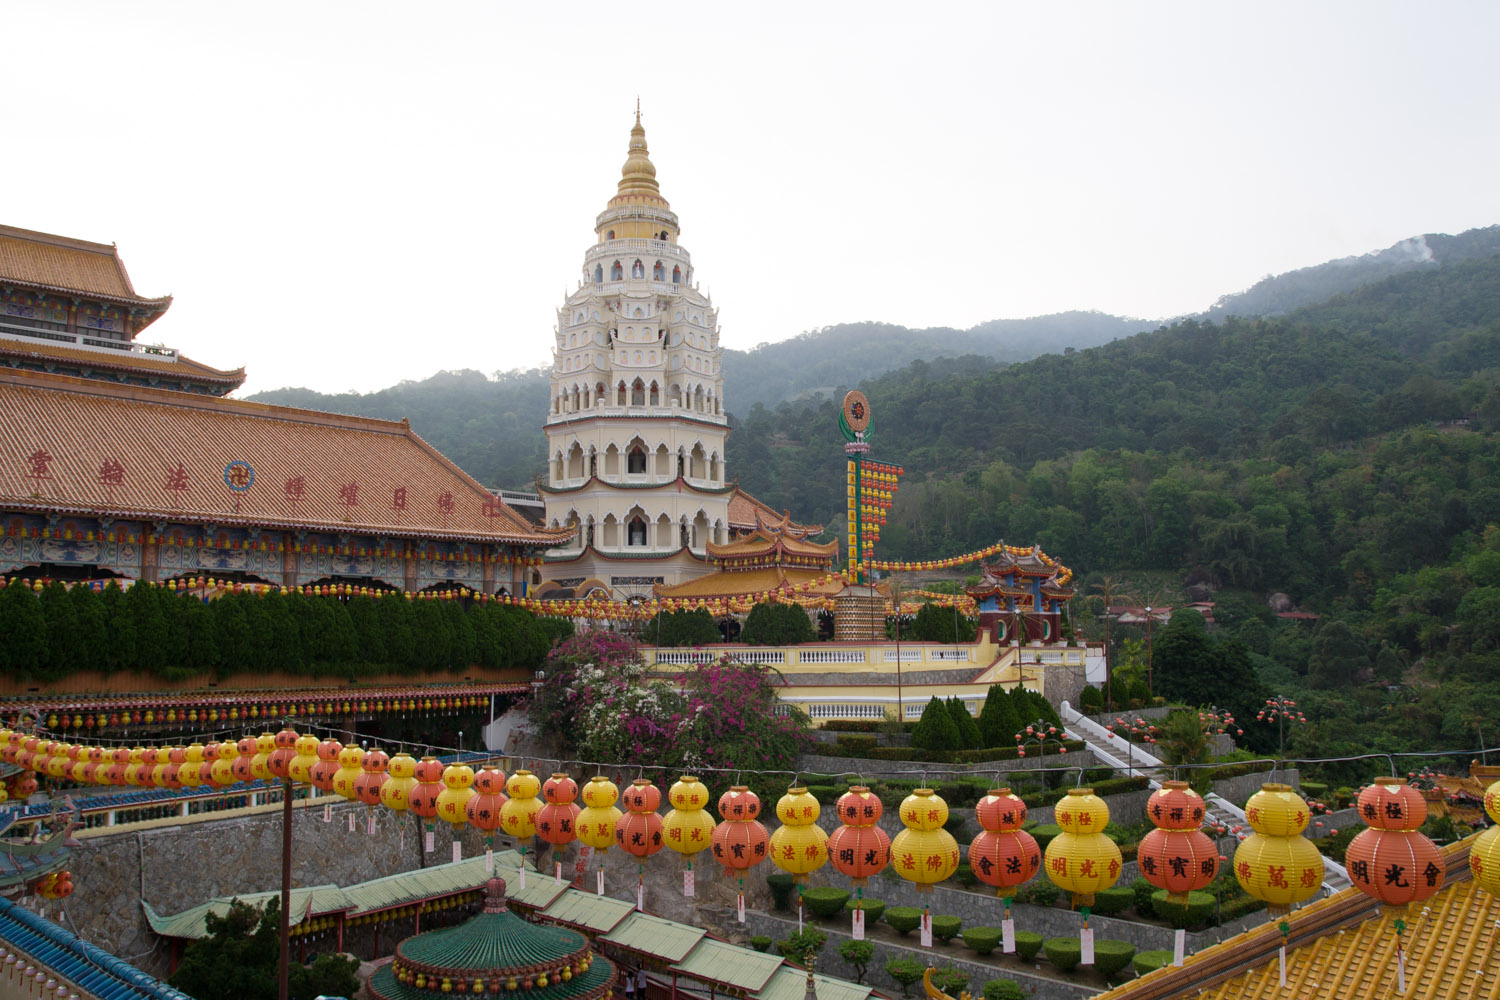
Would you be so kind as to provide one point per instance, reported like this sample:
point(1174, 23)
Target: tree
point(998, 721)
point(859, 955)
point(24, 651)
point(907, 972)
point(695, 627)
point(1339, 659)
point(936, 730)
point(968, 729)
point(938, 624)
point(236, 959)
point(772, 623)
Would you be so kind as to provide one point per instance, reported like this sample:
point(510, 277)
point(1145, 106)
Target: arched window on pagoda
point(637, 270)
point(620, 394)
point(698, 399)
point(637, 531)
point(636, 460)
point(638, 393)
point(616, 272)
point(610, 235)
point(611, 462)
point(664, 236)
point(575, 462)
point(713, 467)
point(598, 273)
point(674, 396)
point(676, 275)
point(655, 394)
point(663, 463)
point(659, 272)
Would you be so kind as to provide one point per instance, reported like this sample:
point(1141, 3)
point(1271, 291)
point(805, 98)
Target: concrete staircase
point(1115, 751)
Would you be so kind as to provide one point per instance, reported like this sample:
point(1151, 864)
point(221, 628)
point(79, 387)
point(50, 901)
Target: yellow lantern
point(518, 815)
point(260, 764)
point(299, 768)
point(1276, 863)
point(351, 766)
point(799, 846)
point(221, 770)
point(401, 777)
point(191, 771)
point(458, 780)
point(137, 770)
point(1484, 856)
point(924, 853)
point(596, 821)
point(1082, 860)
point(687, 828)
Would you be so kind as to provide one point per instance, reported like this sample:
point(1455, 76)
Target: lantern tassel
point(1286, 930)
point(640, 887)
point(600, 890)
point(429, 842)
point(1400, 957)
point(489, 860)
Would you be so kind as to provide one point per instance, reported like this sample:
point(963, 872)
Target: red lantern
point(1391, 861)
point(739, 842)
point(557, 820)
point(367, 785)
point(327, 765)
point(1177, 856)
point(859, 848)
point(422, 799)
point(1003, 855)
point(281, 757)
point(483, 807)
point(241, 764)
point(638, 832)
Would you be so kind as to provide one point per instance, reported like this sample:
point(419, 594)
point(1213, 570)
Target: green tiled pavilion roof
point(192, 923)
point(599, 914)
point(493, 942)
point(788, 983)
point(718, 962)
point(667, 940)
point(594, 982)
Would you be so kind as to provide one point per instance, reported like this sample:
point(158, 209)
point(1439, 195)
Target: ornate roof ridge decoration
point(757, 507)
point(184, 367)
point(996, 577)
point(594, 479)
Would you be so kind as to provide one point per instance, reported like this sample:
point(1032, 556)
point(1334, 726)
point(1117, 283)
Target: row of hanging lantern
point(1391, 860)
point(207, 710)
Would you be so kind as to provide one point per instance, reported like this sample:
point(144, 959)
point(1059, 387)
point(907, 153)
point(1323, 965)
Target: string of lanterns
point(1391, 861)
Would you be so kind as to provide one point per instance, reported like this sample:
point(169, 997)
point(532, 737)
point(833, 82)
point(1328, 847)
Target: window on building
point(637, 524)
point(636, 462)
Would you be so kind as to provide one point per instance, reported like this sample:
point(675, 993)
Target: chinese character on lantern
point(349, 494)
point(111, 473)
point(177, 479)
point(40, 465)
point(296, 488)
point(398, 498)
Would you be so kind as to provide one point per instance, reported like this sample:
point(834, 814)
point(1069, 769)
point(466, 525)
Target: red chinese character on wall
point(177, 479)
point(445, 502)
point(41, 463)
point(349, 494)
point(111, 473)
point(237, 476)
point(296, 488)
point(398, 498)
point(492, 508)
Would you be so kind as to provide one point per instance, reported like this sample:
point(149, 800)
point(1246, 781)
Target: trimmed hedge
point(825, 900)
point(945, 928)
point(1003, 989)
point(1198, 910)
point(1150, 961)
point(874, 909)
point(825, 794)
point(781, 885)
point(950, 980)
point(982, 940)
point(1231, 909)
point(761, 942)
point(1110, 957)
point(903, 919)
point(1115, 900)
point(1063, 952)
point(1044, 834)
point(939, 756)
point(1028, 943)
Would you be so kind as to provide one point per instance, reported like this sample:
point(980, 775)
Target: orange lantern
point(859, 848)
point(1177, 856)
point(1002, 854)
point(371, 777)
point(483, 808)
point(1391, 860)
point(284, 748)
point(638, 832)
point(557, 822)
point(422, 800)
point(739, 842)
point(321, 774)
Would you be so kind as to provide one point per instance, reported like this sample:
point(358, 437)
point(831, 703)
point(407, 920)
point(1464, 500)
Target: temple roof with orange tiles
point(776, 554)
point(1344, 948)
point(82, 446)
point(70, 266)
point(746, 512)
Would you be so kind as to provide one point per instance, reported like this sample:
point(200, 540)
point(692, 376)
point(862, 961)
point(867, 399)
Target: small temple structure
point(496, 953)
point(123, 461)
point(1020, 596)
point(776, 554)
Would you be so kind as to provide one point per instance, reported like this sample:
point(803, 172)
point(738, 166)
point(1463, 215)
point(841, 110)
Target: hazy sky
point(344, 195)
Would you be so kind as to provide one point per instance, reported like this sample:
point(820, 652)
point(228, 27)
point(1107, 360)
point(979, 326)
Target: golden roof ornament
point(638, 175)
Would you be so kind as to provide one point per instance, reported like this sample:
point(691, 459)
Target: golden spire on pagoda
point(638, 176)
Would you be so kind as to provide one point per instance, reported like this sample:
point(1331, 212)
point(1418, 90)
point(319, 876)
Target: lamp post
point(1150, 688)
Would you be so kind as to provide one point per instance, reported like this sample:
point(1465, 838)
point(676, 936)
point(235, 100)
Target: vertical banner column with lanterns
point(869, 486)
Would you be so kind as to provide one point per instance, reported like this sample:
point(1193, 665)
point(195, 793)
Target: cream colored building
point(636, 424)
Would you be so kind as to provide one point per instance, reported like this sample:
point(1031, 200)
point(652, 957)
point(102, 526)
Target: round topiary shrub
point(825, 900)
point(1063, 952)
point(873, 908)
point(1198, 910)
point(1143, 890)
point(1113, 900)
point(761, 942)
point(1110, 957)
point(982, 940)
point(1150, 961)
point(1028, 943)
point(1045, 833)
point(1003, 989)
point(945, 929)
point(903, 919)
point(965, 876)
point(781, 890)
